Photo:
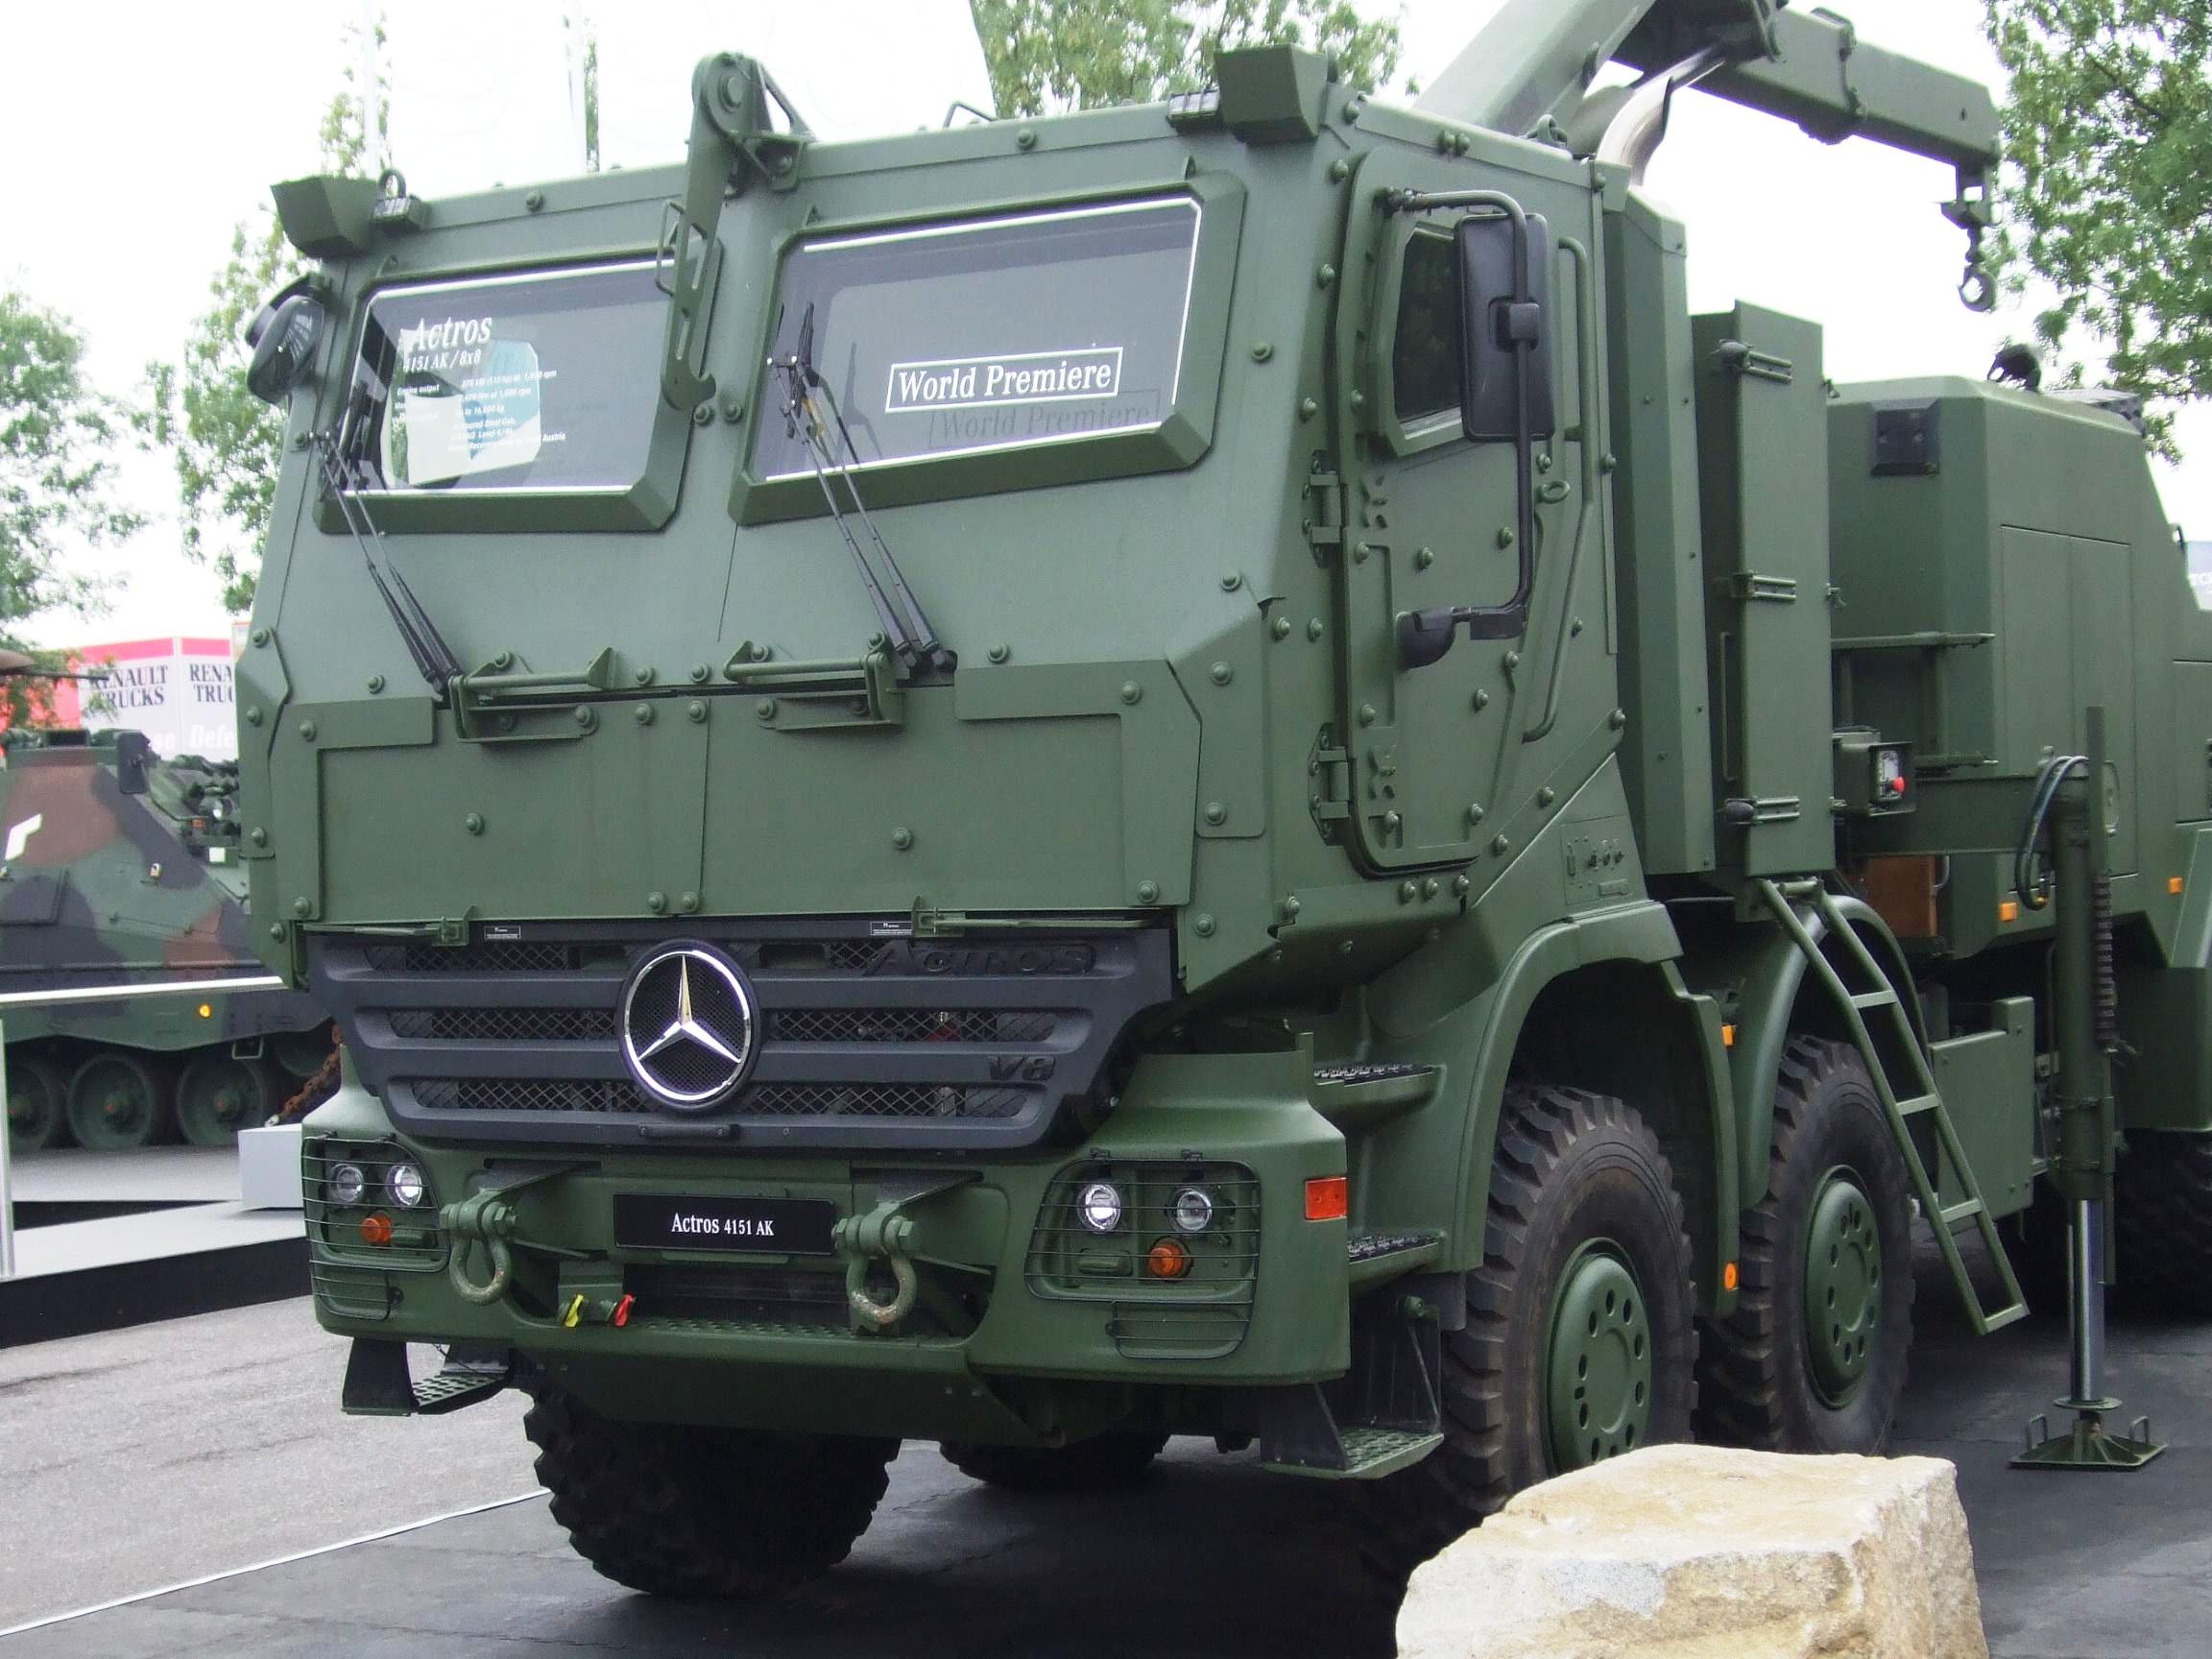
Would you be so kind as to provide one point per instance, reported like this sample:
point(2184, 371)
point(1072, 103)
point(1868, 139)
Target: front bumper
point(1022, 1325)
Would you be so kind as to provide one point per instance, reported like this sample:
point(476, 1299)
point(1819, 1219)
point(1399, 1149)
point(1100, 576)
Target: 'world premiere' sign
point(989, 382)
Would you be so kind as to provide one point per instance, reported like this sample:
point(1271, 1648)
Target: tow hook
point(481, 1221)
point(882, 1235)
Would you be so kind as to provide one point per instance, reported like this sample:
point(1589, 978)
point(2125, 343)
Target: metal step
point(1370, 1454)
point(456, 1386)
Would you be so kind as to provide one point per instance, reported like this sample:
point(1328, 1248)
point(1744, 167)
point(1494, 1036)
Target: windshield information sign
point(999, 333)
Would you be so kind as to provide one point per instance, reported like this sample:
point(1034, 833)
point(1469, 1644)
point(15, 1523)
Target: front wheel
point(37, 1103)
point(1581, 1337)
point(1092, 1465)
point(1813, 1360)
point(672, 1509)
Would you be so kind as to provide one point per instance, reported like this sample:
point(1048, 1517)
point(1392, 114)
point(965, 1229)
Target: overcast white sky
point(139, 135)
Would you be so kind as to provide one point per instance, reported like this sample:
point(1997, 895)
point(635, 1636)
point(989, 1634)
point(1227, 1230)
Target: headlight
point(406, 1184)
point(346, 1183)
point(1192, 1211)
point(1101, 1206)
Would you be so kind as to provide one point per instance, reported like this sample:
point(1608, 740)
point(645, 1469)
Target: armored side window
point(1424, 345)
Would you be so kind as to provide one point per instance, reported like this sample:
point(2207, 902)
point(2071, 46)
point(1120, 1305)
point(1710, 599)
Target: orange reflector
point(2008, 910)
point(2173, 883)
point(1168, 1260)
point(1327, 1198)
point(376, 1229)
point(1727, 1036)
point(208, 1010)
point(1728, 1277)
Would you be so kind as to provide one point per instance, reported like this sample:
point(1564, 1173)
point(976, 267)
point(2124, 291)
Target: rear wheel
point(37, 1103)
point(118, 1100)
point(1581, 1338)
point(2162, 1222)
point(1813, 1358)
point(218, 1094)
point(704, 1512)
point(1104, 1460)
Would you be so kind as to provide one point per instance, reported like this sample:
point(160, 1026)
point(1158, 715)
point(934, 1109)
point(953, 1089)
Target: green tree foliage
point(2108, 199)
point(224, 441)
point(1050, 56)
point(57, 476)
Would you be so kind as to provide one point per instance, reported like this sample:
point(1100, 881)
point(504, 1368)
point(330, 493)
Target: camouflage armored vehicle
point(135, 1007)
point(1202, 770)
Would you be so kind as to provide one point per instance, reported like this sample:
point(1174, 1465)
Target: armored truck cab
point(1198, 769)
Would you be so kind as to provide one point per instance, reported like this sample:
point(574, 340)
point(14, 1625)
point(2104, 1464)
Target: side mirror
point(132, 751)
point(283, 334)
point(1505, 259)
point(1505, 329)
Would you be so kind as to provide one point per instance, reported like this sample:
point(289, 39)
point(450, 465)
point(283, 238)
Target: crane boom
point(1537, 60)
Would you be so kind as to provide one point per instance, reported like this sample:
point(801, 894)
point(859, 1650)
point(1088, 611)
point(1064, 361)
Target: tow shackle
point(480, 1223)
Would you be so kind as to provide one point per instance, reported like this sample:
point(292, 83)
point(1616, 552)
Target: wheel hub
point(1599, 1364)
point(1842, 1287)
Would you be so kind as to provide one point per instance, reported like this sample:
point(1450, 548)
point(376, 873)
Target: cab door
point(1444, 764)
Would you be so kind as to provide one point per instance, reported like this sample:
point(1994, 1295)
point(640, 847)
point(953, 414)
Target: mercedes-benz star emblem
point(687, 1025)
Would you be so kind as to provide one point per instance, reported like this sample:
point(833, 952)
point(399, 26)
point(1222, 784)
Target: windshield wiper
point(907, 631)
point(433, 657)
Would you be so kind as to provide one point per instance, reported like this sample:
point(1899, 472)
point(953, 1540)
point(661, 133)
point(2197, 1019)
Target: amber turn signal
point(376, 1229)
point(1168, 1260)
point(1327, 1198)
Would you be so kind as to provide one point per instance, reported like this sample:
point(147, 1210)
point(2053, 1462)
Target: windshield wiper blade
point(434, 659)
point(905, 628)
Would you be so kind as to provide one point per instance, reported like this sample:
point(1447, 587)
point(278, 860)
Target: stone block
point(1704, 1552)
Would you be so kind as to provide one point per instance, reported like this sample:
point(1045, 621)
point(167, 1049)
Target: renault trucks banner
point(177, 690)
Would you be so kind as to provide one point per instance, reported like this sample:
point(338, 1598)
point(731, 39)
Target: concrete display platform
point(1211, 1557)
point(106, 1240)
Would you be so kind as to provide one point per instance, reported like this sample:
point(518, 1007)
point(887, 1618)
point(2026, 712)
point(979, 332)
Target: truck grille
point(867, 1036)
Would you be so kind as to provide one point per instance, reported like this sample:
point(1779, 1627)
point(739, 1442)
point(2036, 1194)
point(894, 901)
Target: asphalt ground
point(157, 1455)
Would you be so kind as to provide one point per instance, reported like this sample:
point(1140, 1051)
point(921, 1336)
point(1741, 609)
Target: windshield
point(539, 382)
point(1039, 328)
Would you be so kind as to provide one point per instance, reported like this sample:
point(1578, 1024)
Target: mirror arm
point(1424, 636)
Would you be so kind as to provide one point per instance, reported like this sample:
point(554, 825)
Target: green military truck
point(1202, 770)
point(135, 1008)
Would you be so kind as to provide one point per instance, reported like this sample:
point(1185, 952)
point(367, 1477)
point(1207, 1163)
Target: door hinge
point(1749, 585)
point(1329, 777)
point(1740, 358)
point(1324, 514)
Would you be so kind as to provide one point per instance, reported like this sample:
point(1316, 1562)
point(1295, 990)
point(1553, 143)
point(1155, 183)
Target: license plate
point(778, 1226)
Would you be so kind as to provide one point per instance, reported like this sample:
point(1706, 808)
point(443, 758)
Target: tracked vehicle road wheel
point(1813, 1358)
point(699, 1512)
point(118, 1100)
point(1581, 1338)
point(2162, 1223)
point(301, 1053)
point(37, 1103)
point(1102, 1461)
point(218, 1094)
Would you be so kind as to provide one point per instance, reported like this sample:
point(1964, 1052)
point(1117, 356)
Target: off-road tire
point(2162, 1223)
point(732, 1514)
point(1092, 1465)
point(1756, 1383)
point(1572, 1167)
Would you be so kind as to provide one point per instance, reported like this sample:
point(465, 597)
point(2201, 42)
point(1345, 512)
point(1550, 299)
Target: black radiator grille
point(864, 1036)
point(911, 1025)
point(506, 1025)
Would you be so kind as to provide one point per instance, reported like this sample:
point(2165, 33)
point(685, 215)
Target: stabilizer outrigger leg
point(2072, 792)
